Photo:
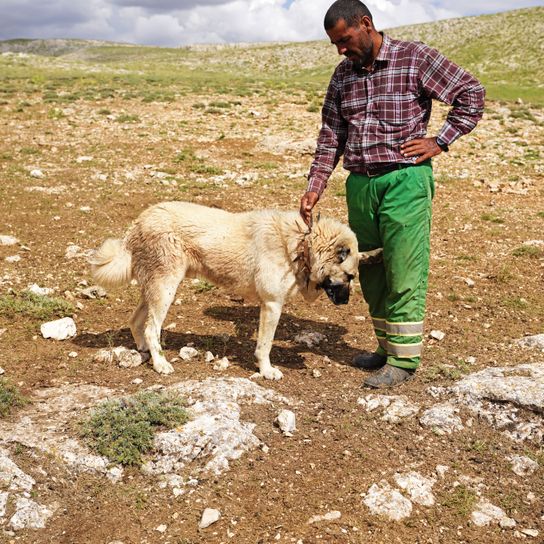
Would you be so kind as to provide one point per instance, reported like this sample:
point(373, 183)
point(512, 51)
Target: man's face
point(354, 42)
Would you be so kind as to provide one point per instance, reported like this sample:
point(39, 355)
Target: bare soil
point(489, 201)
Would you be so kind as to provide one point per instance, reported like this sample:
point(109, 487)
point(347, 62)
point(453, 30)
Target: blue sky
point(182, 22)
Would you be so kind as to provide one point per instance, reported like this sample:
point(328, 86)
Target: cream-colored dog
point(265, 255)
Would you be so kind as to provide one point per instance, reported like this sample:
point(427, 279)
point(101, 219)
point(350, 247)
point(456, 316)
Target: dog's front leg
point(268, 321)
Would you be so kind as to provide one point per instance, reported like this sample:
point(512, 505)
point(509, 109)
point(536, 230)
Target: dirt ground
point(485, 291)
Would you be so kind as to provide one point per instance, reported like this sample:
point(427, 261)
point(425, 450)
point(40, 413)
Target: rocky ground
point(453, 456)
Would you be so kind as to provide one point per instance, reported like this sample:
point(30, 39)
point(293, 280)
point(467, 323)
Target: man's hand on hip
point(422, 148)
point(307, 202)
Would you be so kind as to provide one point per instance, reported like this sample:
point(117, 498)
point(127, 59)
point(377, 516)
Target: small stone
point(95, 291)
point(222, 364)
point(6, 240)
point(29, 515)
point(124, 357)
point(530, 532)
point(469, 282)
point(310, 339)
point(60, 329)
point(40, 291)
point(209, 357)
point(316, 373)
point(83, 158)
point(437, 335)
point(13, 259)
point(535, 341)
point(137, 381)
point(209, 517)
point(329, 516)
point(2, 371)
point(37, 173)
point(286, 421)
point(383, 500)
point(72, 354)
point(187, 353)
point(523, 466)
point(470, 360)
point(161, 528)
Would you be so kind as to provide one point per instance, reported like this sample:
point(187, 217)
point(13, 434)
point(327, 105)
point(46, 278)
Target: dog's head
point(334, 259)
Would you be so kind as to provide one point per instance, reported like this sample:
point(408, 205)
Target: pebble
point(329, 516)
point(437, 335)
point(209, 517)
point(137, 381)
point(187, 353)
point(37, 173)
point(2, 371)
point(60, 329)
point(530, 532)
point(209, 357)
point(37, 290)
point(287, 422)
point(222, 364)
point(161, 528)
point(73, 354)
point(13, 259)
point(6, 240)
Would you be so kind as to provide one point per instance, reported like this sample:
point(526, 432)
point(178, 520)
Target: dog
point(265, 255)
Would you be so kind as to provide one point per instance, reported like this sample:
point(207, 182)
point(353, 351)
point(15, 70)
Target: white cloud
point(181, 22)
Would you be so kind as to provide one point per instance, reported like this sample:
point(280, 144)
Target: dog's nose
point(337, 291)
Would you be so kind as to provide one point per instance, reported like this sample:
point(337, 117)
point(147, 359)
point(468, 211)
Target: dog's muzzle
point(337, 291)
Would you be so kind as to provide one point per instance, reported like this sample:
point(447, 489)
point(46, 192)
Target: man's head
point(349, 25)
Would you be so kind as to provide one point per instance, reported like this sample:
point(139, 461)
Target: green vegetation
point(203, 286)
point(527, 251)
point(33, 306)
point(122, 430)
point(10, 397)
point(492, 47)
point(461, 500)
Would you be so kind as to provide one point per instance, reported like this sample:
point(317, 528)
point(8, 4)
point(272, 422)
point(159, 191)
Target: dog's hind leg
point(137, 323)
point(268, 321)
point(159, 292)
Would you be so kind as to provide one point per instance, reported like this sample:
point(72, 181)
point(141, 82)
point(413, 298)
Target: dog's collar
point(303, 253)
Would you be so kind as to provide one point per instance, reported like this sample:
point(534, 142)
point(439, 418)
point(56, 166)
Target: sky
point(176, 23)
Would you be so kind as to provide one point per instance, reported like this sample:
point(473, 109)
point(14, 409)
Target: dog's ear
point(371, 257)
point(342, 253)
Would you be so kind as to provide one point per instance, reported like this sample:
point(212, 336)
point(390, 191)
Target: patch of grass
point(461, 500)
point(527, 251)
point(10, 397)
point(127, 118)
point(104, 111)
point(492, 218)
point(515, 303)
point(203, 286)
point(34, 306)
point(122, 430)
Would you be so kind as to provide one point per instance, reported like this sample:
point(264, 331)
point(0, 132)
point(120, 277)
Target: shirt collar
point(384, 54)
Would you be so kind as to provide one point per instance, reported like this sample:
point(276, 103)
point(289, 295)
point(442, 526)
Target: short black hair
point(350, 10)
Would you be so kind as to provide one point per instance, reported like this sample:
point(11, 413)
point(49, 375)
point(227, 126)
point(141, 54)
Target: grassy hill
point(495, 48)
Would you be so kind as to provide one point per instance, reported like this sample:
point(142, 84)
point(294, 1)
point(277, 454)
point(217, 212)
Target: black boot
point(369, 361)
point(388, 376)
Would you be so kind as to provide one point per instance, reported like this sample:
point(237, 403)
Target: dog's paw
point(163, 367)
point(272, 373)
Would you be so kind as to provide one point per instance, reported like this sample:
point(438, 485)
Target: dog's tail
point(111, 264)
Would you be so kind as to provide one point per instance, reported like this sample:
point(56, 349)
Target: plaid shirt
point(366, 116)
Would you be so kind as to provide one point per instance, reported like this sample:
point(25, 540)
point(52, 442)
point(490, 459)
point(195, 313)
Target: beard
point(362, 59)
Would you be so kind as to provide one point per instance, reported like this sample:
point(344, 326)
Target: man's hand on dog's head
point(307, 203)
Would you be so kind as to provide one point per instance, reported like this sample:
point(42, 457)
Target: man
point(375, 114)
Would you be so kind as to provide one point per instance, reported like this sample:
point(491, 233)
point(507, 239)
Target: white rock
point(530, 532)
point(3, 503)
point(535, 341)
point(486, 513)
point(222, 364)
point(396, 407)
point(73, 354)
point(310, 339)
point(120, 355)
point(470, 360)
point(209, 517)
point(161, 528)
point(523, 466)
point(37, 173)
point(13, 259)
point(2, 371)
point(84, 158)
point(209, 357)
point(92, 292)
point(469, 282)
point(29, 515)
point(419, 487)
point(329, 516)
point(6, 240)
point(442, 419)
point(60, 329)
point(137, 381)
point(286, 421)
point(441, 470)
point(437, 335)
point(383, 500)
point(316, 373)
point(41, 291)
point(187, 353)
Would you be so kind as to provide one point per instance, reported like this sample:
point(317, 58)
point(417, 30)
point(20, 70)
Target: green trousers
point(393, 211)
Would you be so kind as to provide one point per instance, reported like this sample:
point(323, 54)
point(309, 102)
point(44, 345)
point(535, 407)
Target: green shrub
point(122, 429)
point(10, 397)
point(34, 306)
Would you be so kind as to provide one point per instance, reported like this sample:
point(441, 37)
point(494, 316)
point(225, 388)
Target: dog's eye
point(342, 254)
